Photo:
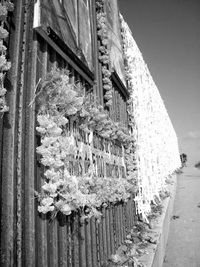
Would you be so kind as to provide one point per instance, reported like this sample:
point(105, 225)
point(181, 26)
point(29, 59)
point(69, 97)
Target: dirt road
point(183, 247)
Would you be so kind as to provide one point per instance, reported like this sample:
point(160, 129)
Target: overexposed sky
point(168, 35)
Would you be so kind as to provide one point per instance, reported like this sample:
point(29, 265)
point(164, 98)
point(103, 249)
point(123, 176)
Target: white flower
point(54, 130)
point(50, 188)
point(62, 120)
point(127, 241)
point(66, 196)
point(57, 162)
point(74, 181)
point(59, 204)
point(41, 130)
point(53, 175)
point(48, 161)
point(47, 201)
point(65, 78)
point(47, 141)
point(128, 236)
point(66, 209)
point(80, 199)
point(45, 209)
point(44, 120)
point(115, 258)
point(66, 174)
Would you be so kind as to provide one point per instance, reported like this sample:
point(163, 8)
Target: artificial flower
point(66, 209)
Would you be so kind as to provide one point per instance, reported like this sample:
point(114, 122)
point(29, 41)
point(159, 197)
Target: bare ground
point(183, 247)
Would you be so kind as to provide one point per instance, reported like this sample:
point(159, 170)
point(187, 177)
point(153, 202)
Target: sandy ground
point(183, 247)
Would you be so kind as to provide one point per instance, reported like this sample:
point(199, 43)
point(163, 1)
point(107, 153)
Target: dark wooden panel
point(53, 14)
point(70, 20)
point(84, 31)
point(70, 7)
point(114, 37)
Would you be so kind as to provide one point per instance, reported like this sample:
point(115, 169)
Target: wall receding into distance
point(157, 154)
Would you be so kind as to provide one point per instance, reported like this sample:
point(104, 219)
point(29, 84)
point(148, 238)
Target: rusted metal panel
point(11, 190)
point(41, 220)
point(62, 241)
point(126, 215)
point(51, 239)
point(82, 247)
point(75, 241)
point(100, 242)
point(115, 227)
point(94, 243)
point(123, 222)
point(69, 240)
point(108, 232)
point(131, 213)
point(88, 244)
point(28, 155)
point(105, 244)
point(119, 225)
point(112, 236)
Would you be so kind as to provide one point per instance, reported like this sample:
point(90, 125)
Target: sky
point(167, 33)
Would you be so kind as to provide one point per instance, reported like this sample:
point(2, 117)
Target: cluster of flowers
point(131, 151)
point(58, 100)
point(128, 73)
point(5, 7)
point(104, 57)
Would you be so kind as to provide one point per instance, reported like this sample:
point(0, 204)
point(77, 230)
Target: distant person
point(183, 158)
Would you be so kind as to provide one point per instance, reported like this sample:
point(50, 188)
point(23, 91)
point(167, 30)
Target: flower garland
point(103, 49)
point(107, 86)
point(5, 7)
point(58, 101)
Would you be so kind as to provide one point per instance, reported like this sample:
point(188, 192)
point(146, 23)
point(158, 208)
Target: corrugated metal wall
point(27, 237)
